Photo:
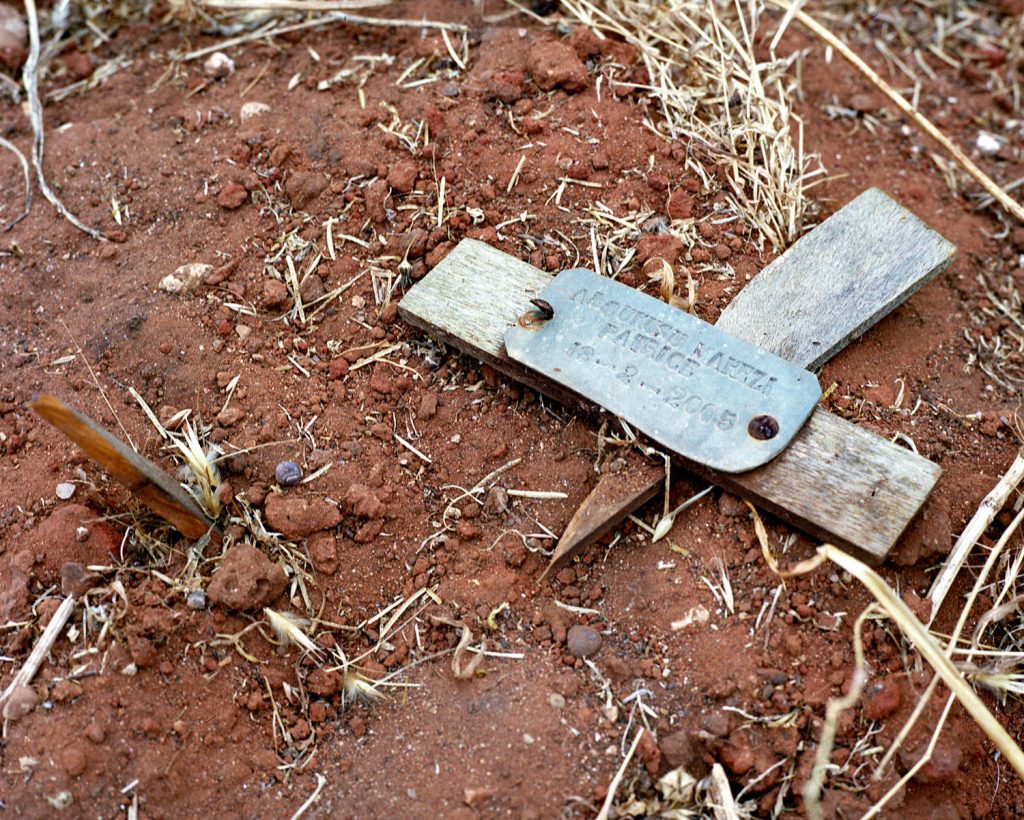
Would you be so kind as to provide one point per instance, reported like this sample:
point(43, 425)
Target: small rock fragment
point(230, 416)
point(253, 109)
point(218, 66)
point(232, 196)
point(553, 63)
point(22, 701)
point(299, 517)
point(364, 503)
point(288, 473)
point(882, 698)
point(246, 579)
point(75, 579)
point(196, 599)
point(583, 641)
point(65, 490)
point(987, 143)
point(185, 278)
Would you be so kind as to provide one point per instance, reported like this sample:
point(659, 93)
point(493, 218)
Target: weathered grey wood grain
point(835, 480)
point(837, 281)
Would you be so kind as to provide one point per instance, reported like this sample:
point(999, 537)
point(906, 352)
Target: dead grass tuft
point(710, 89)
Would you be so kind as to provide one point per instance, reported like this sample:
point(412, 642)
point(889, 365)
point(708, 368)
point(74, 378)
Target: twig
point(320, 780)
point(42, 647)
point(724, 805)
point(923, 122)
point(28, 182)
point(614, 785)
point(31, 81)
point(327, 19)
point(987, 511)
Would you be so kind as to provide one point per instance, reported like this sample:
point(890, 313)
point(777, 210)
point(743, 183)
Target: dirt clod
point(246, 579)
point(296, 517)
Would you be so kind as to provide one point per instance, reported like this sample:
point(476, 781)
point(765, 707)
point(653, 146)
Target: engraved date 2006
point(674, 393)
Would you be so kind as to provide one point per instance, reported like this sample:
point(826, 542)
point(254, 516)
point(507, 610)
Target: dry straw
point(712, 91)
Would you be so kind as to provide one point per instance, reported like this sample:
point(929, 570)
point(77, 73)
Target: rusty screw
point(763, 428)
point(544, 307)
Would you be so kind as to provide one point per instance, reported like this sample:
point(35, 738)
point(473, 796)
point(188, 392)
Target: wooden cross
point(835, 480)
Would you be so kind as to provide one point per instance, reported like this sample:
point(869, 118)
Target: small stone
point(66, 691)
point(243, 332)
point(556, 701)
point(232, 196)
point(230, 416)
point(185, 278)
point(303, 187)
point(680, 205)
point(402, 177)
point(246, 579)
point(323, 550)
point(253, 109)
point(583, 641)
point(218, 66)
point(275, 293)
point(74, 761)
point(288, 473)
point(300, 517)
point(942, 766)
point(553, 63)
point(428, 406)
point(22, 701)
point(75, 579)
point(987, 143)
point(196, 599)
point(882, 698)
point(730, 506)
point(337, 369)
point(95, 733)
point(364, 503)
point(65, 490)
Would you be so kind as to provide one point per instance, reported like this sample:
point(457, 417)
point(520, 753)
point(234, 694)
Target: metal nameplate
point(713, 398)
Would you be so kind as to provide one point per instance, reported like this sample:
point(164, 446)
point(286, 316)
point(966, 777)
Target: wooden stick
point(989, 508)
point(923, 122)
point(42, 648)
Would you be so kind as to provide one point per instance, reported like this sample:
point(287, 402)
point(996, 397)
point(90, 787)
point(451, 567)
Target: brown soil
point(194, 729)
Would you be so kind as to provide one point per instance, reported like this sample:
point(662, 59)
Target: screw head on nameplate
point(694, 389)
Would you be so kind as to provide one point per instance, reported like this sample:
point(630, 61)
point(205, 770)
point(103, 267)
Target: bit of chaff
point(10, 146)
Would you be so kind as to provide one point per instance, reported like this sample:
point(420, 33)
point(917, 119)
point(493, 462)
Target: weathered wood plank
point(837, 281)
point(835, 480)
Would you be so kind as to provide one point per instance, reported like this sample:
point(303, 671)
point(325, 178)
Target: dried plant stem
point(31, 80)
point(613, 787)
point(42, 647)
point(931, 651)
point(327, 19)
point(987, 511)
point(923, 122)
point(292, 5)
point(812, 791)
point(10, 146)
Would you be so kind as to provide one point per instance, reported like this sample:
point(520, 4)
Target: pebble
point(196, 599)
point(232, 196)
point(288, 473)
point(253, 109)
point(75, 579)
point(554, 63)
point(556, 701)
point(583, 641)
point(299, 517)
point(218, 66)
point(246, 579)
point(185, 278)
point(986, 143)
point(65, 490)
point(22, 701)
point(882, 699)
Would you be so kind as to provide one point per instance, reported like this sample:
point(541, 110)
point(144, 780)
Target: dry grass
point(710, 89)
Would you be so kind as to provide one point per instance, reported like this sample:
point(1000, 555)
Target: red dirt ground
point(193, 729)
